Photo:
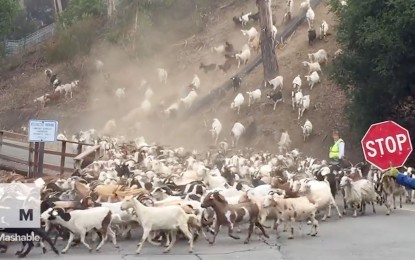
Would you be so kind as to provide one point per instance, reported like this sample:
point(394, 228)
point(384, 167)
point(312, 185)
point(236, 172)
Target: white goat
point(251, 33)
point(189, 99)
point(149, 93)
point(99, 65)
point(162, 74)
point(312, 66)
point(245, 18)
point(120, 93)
point(253, 96)
point(42, 100)
point(296, 98)
point(310, 15)
point(237, 130)
point(319, 56)
point(173, 108)
point(219, 49)
point(307, 129)
point(145, 106)
point(196, 81)
point(243, 56)
point(285, 142)
point(304, 105)
point(274, 32)
point(278, 81)
point(358, 193)
point(293, 209)
point(216, 129)
point(324, 27)
point(312, 79)
point(318, 191)
point(297, 82)
point(168, 218)
point(79, 222)
point(305, 5)
point(237, 102)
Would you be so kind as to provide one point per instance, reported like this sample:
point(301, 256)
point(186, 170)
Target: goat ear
point(211, 197)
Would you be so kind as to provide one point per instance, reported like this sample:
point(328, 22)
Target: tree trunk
point(269, 58)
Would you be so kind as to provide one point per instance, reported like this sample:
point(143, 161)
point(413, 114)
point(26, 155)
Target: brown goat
point(229, 215)
point(277, 183)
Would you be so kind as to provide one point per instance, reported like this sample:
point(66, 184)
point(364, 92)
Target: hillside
point(94, 102)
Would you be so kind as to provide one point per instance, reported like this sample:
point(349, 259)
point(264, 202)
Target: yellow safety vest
point(334, 150)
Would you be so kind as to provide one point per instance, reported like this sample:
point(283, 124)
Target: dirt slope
point(94, 103)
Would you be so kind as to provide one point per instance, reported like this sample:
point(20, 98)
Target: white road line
point(406, 209)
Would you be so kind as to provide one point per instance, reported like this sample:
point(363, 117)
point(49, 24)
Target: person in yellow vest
point(336, 153)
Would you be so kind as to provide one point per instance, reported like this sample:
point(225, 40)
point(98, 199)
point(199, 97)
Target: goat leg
point(216, 231)
point(262, 228)
point(230, 232)
point(173, 240)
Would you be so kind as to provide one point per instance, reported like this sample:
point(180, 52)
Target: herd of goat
point(171, 191)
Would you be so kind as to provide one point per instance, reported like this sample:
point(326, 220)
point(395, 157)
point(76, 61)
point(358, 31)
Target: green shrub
point(75, 40)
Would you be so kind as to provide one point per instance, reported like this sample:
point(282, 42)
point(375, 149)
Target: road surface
point(363, 238)
point(24, 155)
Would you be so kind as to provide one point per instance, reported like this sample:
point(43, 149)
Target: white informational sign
point(43, 130)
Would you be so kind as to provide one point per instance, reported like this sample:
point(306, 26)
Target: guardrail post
point(63, 151)
point(1, 138)
point(36, 160)
point(30, 163)
point(41, 157)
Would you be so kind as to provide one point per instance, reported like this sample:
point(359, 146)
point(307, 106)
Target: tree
point(8, 12)
point(269, 58)
point(79, 9)
point(377, 68)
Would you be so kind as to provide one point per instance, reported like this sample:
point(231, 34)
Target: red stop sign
point(385, 143)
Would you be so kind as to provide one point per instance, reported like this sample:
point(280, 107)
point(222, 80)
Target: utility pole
point(269, 58)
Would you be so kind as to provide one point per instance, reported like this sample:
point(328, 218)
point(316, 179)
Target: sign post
point(385, 144)
point(41, 131)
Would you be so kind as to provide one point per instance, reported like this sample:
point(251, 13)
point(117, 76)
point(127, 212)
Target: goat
point(310, 15)
point(237, 130)
point(207, 68)
point(312, 79)
point(293, 209)
point(253, 96)
point(312, 66)
point(276, 96)
point(251, 33)
point(80, 222)
point(161, 218)
point(236, 82)
point(216, 129)
point(162, 74)
point(231, 214)
point(357, 193)
point(319, 56)
point(237, 102)
point(304, 105)
point(311, 36)
point(324, 27)
point(307, 129)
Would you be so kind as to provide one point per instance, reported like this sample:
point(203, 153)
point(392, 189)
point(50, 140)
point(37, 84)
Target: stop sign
point(385, 143)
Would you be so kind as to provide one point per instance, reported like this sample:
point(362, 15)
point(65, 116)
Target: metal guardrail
point(25, 155)
point(14, 47)
point(214, 94)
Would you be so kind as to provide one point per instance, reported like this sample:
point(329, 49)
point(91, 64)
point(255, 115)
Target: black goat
point(254, 17)
point(311, 36)
point(276, 96)
point(123, 171)
point(236, 82)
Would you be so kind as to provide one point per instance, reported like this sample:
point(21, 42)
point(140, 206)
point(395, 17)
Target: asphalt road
point(374, 236)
